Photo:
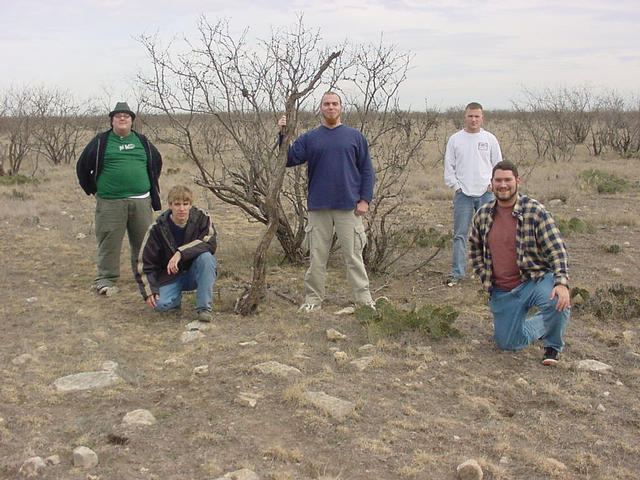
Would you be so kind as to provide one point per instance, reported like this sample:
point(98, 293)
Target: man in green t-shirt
point(121, 167)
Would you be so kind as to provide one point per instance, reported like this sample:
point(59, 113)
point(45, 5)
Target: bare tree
point(222, 86)
point(58, 124)
point(395, 140)
point(18, 125)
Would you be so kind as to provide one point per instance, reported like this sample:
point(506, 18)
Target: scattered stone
point(80, 236)
point(22, 359)
point(140, 417)
point(346, 311)
point(85, 381)
point(340, 357)
point(84, 457)
point(600, 407)
point(201, 370)
point(170, 361)
point(250, 343)
point(469, 470)
point(367, 348)
point(556, 464)
point(88, 343)
point(32, 467)
point(619, 383)
point(191, 336)
point(198, 325)
point(52, 460)
point(504, 460)
point(32, 299)
point(242, 474)
point(333, 334)
point(41, 348)
point(276, 369)
point(522, 381)
point(627, 244)
point(302, 356)
point(593, 366)
point(362, 363)
point(332, 406)
point(554, 202)
point(632, 356)
point(245, 400)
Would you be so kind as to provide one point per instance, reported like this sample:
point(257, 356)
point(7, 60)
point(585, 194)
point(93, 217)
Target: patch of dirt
point(419, 412)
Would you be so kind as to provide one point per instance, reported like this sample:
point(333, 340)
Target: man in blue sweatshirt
point(341, 178)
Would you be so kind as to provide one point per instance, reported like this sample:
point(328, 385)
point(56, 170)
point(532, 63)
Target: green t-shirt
point(124, 172)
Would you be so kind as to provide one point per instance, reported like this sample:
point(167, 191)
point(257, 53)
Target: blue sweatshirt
point(339, 168)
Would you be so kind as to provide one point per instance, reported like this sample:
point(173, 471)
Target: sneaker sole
point(550, 361)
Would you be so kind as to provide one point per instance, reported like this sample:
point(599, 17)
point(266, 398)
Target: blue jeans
point(201, 276)
point(513, 331)
point(464, 207)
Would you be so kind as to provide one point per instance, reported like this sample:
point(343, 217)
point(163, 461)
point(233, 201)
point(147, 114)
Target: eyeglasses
point(122, 115)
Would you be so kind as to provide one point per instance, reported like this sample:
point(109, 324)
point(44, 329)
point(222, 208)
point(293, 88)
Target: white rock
point(22, 359)
point(32, 467)
point(332, 406)
point(242, 474)
point(191, 336)
point(201, 370)
point(469, 470)
point(367, 348)
point(333, 334)
point(88, 343)
point(250, 343)
point(139, 417)
point(593, 366)
point(600, 407)
point(346, 311)
point(362, 363)
point(109, 366)
point(85, 381)
point(245, 400)
point(522, 381)
point(340, 357)
point(80, 236)
point(84, 457)
point(31, 300)
point(198, 325)
point(276, 369)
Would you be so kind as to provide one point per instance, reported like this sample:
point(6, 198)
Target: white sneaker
point(308, 307)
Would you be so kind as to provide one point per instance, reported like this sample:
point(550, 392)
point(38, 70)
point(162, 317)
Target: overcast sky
point(464, 50)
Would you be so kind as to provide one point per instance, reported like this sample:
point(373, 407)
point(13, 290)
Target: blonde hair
point(180, 192)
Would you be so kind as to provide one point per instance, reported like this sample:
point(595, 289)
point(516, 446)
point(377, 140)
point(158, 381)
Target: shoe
point(550, 356)
point(308, 307)
point(204, 316)
point(106, 290)
point(452, 281)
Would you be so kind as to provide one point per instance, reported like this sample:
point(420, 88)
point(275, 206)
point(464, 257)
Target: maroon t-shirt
point(502, 245)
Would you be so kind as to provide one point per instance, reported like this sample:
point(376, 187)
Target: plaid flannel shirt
point(539, 245)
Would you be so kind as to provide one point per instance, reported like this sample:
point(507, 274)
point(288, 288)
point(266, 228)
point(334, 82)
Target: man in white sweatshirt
point(468, 161)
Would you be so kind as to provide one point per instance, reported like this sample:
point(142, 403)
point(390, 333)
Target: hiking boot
point(308, 307)
point(106, 290)
point(550, 356)
point(452, 281)
point(204, 316)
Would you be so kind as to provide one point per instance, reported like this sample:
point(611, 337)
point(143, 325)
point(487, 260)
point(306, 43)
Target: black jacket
point(91, 161)
point(159, 246)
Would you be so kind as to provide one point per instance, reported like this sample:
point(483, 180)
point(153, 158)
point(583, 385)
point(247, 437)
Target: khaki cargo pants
point(351, 239)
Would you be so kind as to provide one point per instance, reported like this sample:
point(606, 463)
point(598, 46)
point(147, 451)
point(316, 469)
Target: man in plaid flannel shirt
point(517, 251)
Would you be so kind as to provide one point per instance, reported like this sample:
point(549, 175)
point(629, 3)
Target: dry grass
point(423, 407)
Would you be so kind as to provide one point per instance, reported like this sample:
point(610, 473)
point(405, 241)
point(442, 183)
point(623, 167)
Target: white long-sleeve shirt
point(469, 160)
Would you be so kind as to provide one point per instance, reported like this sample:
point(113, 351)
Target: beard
point(507, 196)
